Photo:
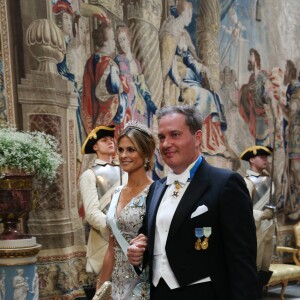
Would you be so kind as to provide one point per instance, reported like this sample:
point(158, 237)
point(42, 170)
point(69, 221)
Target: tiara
point(138, 126)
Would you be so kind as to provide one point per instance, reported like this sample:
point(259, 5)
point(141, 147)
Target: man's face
point(66, 24)
point(251, 62)
point(259, 163)
point(81, 30)
point(110, 40)
point(105, 146)
point(177, 145)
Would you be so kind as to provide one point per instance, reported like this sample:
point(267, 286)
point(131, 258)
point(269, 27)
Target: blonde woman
point(135, 147)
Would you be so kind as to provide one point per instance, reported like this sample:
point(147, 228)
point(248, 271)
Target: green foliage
point(34, 152)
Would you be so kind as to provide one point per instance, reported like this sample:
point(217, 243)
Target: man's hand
point(136, 250)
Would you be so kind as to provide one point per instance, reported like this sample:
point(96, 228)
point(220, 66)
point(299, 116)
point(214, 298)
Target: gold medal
point(204, 244)
point(198, 244)
point(177, 185)
point(177, 189)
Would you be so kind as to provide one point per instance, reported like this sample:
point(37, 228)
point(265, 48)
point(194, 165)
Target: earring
point(146, 162)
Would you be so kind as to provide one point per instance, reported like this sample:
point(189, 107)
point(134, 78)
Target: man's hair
point(193, 118)
point(99, 35)
point(292, 71)
point(75, 23)
point(257, 57)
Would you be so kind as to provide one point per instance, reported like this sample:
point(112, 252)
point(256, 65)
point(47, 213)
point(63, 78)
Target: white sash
point(111, 220)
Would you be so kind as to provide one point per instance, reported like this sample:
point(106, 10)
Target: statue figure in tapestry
point(63, 14)
point(185, 77)
point(77, 53)
point(102, 87)
point(256, 104)
point(139, 103)
point(292, 141)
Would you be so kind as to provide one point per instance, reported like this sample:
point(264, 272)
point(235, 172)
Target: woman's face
point(187, 13)
point(124, 42)
point(130, 159)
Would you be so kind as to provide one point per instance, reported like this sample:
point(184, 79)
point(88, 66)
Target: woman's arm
point(108, 264)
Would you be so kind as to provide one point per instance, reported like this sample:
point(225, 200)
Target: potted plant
point(23, 155)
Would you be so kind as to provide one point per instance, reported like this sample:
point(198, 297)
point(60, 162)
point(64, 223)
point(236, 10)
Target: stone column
point(49, 104)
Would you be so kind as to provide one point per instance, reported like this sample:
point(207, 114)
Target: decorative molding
point(7, 63)
point(72, 159)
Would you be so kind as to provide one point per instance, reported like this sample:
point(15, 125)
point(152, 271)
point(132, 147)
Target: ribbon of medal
point(198, 234)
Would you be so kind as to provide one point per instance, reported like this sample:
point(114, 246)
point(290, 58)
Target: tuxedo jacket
point(230, 258)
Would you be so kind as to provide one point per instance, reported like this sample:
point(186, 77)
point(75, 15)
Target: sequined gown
point(124, 278)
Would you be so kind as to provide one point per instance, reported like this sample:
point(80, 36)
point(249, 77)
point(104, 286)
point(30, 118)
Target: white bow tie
point(181, 178)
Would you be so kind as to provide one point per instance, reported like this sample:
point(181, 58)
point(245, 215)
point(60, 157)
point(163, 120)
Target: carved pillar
point(144, 18)
point(49, 104)
point(208, 25)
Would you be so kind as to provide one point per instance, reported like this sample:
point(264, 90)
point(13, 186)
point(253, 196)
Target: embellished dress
point(126, 283)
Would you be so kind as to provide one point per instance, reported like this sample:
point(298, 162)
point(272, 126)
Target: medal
point(198, 234)
point(198, 244)
point(204, 244)
point(206, 233)
point(177, 189)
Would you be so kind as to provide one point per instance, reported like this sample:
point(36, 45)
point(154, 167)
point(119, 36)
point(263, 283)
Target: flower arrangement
point(34, 152)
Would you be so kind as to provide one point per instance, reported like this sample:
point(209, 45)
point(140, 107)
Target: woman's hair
point(142, 139)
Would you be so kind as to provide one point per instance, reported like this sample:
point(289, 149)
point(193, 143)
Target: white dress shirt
point(165, 213)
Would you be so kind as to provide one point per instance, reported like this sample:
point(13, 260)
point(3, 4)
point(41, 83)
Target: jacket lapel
point(192, 195)
point(159, 190)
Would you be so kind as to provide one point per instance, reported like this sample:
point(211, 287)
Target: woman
point(139, 106)
point(136, 147)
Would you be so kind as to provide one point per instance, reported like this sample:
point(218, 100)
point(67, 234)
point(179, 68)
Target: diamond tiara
point(138, 126)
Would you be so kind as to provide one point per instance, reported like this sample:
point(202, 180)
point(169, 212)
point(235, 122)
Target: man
point(199, 222)
point(260, 187)
point(291, 113)
point(63, 13)
point(96, 187)
point(255, 98)
point(101, 82)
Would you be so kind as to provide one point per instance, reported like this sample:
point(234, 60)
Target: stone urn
point(46, 43)
point(15, 201)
